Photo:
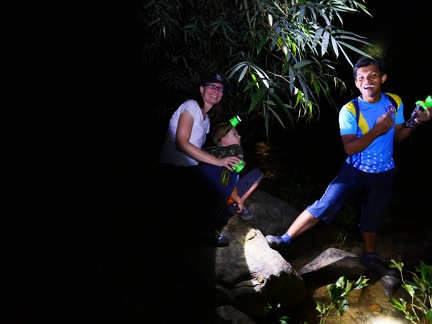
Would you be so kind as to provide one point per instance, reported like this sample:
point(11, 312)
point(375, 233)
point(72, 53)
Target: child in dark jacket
point(227, 139)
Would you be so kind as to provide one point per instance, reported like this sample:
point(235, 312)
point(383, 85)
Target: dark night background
point(80, 127)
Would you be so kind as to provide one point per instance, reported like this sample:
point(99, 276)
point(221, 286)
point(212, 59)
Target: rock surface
point(247, 275)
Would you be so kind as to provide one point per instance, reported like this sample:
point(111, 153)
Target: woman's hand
point(228, 162)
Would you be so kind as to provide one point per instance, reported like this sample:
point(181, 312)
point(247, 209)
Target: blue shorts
point(246, 181)
point(377, 188)
point(199, 191)
point(220, 180)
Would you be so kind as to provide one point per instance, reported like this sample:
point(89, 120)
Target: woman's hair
point(216, 111)
point(366, 61)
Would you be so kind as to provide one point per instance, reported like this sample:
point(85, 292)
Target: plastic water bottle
point(238, 167)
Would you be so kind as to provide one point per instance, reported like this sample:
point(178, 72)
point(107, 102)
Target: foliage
point(271, 314)
point(299, 189)
point(420, 308)
point(346, 217)
point(338, 292)
point(278, 54)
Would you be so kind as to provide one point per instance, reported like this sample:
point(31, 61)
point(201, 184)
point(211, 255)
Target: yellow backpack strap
point(357, 110)
point(357, 115)
point(392, 100)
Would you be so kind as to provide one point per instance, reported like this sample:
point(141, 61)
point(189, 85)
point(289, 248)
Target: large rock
point(250, 274)
point(272, 215)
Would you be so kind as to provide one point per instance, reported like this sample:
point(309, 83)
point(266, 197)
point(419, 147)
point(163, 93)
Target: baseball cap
point(216, 78)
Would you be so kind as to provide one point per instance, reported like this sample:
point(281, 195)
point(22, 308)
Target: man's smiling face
point(368, 81)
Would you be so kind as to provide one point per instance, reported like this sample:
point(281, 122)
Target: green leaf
point(325, 42)
point(428, 315)
point(426, 273)
point(256, 98)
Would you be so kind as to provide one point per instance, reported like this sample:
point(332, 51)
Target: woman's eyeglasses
point(213, 87)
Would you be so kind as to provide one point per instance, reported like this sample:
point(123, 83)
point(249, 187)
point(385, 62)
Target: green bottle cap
point(235, 120)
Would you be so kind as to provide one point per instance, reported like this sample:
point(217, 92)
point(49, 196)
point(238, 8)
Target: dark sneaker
point(389, 278)
point(245, 214)
point(276, 242)
point(375, 264)
point(220, 240)
point(215, 238)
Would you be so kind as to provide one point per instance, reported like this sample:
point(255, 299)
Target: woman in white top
point(198, 187)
